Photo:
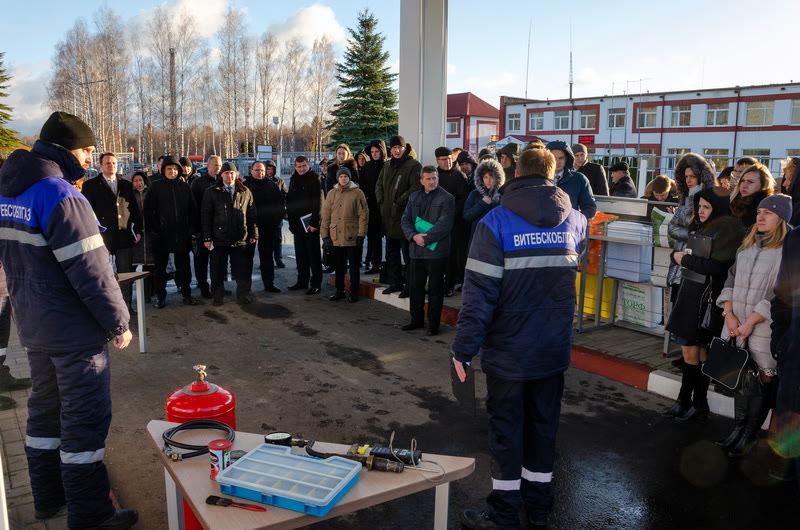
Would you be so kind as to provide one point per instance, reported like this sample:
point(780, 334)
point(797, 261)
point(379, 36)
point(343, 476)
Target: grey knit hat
point(344, 171)
point(779, 204)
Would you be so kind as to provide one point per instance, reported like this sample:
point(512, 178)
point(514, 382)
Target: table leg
point(442, 502)
point(140, 305)
point(174, 503)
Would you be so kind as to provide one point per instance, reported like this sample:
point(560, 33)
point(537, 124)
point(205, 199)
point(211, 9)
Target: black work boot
point(9, 382)
point(476, 519)
point(684, 401)
point(121, 520)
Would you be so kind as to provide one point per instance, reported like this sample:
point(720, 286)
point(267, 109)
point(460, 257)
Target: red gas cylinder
point(200, 400)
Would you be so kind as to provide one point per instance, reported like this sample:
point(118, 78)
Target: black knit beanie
point(185, 161)
point(397, 140)
point(228, 166)
point(443, 151)
point(68, 131)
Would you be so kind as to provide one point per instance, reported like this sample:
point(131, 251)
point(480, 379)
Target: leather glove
point(327, 243)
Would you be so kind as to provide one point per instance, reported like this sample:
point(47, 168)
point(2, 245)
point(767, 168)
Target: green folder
point(422, 226)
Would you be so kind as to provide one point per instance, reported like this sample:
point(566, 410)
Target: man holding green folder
point(427, 222)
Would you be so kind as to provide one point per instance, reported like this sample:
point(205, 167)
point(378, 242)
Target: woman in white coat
point(745, 301)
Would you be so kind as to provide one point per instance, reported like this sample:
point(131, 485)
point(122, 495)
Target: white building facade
point(723, 124)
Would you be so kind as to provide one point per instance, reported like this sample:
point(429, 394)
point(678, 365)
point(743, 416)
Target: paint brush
point(216, 500)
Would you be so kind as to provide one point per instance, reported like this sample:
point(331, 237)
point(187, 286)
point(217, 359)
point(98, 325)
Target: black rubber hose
point(194, 450)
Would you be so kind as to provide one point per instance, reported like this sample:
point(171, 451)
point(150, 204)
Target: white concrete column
point(423, 75)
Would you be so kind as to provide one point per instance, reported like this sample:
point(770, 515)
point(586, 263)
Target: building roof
point(512, 100)
point(468, 104)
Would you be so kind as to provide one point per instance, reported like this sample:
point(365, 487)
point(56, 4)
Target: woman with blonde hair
point(745, 300)
point(754, 185)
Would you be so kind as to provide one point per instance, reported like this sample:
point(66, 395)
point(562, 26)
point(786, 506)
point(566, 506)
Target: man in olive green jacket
point(398, 179)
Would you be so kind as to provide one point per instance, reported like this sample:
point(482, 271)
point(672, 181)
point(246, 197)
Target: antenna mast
point(571, 78)
point(528, 61)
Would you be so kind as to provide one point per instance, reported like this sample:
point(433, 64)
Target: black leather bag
point(726, 362)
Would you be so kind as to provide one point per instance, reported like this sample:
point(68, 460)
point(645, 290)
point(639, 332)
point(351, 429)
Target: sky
point(619, 46)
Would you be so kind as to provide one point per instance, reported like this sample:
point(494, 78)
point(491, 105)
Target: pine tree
point(367, 105)
point(8, 137)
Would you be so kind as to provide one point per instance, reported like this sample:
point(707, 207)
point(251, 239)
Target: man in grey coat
point(426, 223)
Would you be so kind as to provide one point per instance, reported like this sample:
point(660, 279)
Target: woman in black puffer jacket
point(702, 279)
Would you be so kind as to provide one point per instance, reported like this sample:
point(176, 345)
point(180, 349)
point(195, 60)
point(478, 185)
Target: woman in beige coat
point(343, 227)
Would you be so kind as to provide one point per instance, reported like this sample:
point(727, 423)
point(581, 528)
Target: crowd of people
point(508, 228)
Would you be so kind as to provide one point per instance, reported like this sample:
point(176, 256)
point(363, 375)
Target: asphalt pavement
point(345, 372)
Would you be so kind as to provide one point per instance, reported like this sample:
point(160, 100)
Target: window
point(647, 117)
point(588, 119)
point(759, 113)
point(647, 156)
point(793, 152)
point(717, 114)
point(561, 120)
point(795, 112)
point(616, 118)
point(681, 116)
point(514, 122)
point(762, 155)
point(673, 155)
point(717, 157)
point(452, 128)
point(536, 121)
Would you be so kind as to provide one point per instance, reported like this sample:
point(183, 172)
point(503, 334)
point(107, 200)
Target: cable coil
point(194, 450)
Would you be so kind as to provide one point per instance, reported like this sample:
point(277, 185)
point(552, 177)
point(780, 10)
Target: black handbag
point(726, 362)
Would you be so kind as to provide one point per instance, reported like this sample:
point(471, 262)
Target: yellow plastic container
point(590, 298)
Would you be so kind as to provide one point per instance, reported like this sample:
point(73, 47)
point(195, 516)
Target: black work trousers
point(374, 239)
point(240, 270)
point(343, 256)
point(309, 258)
point(430, 271)
point(523, 422)
point(398, 277)
point(183, 273)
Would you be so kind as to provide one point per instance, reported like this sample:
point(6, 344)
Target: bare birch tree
point(322, 87)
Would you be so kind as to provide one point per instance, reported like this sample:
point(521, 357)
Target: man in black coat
point(201, 254)
point(114, 205)
point(622, 183)
point(593, 172)
point(169, 209)
point(376, 150)
point(427, 222)
point(228, 217)
point(303, 206)
point(467, 164)
point(453, 181)
point(270, 205)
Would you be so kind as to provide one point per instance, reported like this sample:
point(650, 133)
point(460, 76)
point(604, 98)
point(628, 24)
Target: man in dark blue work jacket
point(518, 304)
point(67, 306)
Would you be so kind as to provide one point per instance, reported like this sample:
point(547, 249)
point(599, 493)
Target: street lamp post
point(275, 121)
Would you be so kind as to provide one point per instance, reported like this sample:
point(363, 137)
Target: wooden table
point(125, 278)
point(189, 480)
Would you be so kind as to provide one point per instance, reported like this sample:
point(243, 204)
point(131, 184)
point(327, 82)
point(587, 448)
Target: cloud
point(309, 23)
point(207, 13)
point(27, 97)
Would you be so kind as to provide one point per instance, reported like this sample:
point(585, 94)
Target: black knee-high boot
point(699, 399)
point(757, 409)
point(684, 401)
point(740, 403)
